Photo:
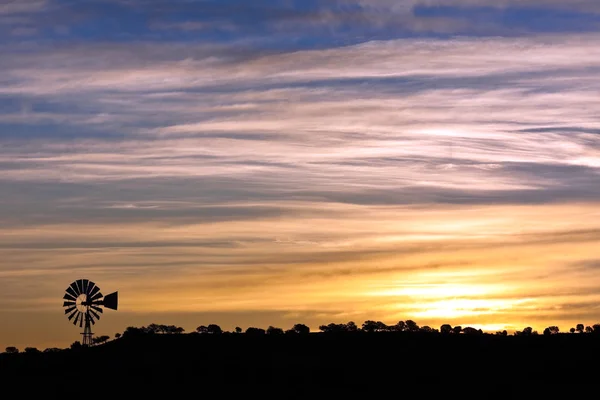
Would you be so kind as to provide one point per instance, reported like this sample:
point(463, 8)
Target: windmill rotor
point(84, 303)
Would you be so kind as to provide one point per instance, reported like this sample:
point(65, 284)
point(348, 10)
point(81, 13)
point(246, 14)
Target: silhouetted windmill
point(83, 304)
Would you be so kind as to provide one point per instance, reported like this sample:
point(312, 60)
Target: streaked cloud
point(401, 174)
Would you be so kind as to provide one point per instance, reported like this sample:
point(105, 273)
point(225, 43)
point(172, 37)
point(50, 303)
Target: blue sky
point(285, 25)
point(198, 155)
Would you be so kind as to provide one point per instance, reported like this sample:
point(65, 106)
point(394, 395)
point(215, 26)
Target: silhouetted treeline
point(369, 326)
point(339, 361)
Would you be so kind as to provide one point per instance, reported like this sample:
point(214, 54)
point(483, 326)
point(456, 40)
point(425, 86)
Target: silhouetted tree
point(445, 329)
point(457, 329)
point(271, 330)
point(100, 339)
point(411, 326)
point(572, 330)
point(163, 329)
point(579, 328)
point(526, 332)
point(52, 350)
point(301, 329)
point(596, 328)
point(551, 330)
point(214, 329)
point(502, 333)
point(255, 331)
point(202, 329)
point(238, 329)
point(427, 329)
point(588, 329)
point(334, 328)
point(132, 331)
point(32, 350)
point(400, 326)
point(351, 327)
point(11, 350)
point(76, 345)
point(117, 335)
point(472, 331)
point(374, 326)
point(369, 326)
point(171, 329)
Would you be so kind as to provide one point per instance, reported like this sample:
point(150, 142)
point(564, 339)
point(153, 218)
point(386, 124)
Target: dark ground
point(317, 365)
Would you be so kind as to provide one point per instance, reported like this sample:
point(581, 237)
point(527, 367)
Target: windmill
point(83, 304)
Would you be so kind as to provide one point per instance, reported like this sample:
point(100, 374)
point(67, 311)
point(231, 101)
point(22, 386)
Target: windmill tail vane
point(84, 303)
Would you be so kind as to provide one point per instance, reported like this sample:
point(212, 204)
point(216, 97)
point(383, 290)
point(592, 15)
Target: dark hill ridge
point(310, 365)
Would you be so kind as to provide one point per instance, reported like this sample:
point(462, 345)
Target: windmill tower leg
point(87, 332)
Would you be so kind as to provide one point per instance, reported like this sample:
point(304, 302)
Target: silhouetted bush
point(255, 331)
point(301, 329)
point(271, 330)
point(32, 350)
point(214, 329)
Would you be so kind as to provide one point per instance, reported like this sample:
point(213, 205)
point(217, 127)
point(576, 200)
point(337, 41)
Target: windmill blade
point(94, 314)
point(75, 289)
point(77, 317)
point(80, 285)
point(91, 285)
point(97, 308)
point(93, 292)
point(81, 321)
point(90, 318)
point(71, 291)
point(97, 296)
point(73, 314)
point(85, 284)
point(68, 310)
point(68, 296)
point(68, 303)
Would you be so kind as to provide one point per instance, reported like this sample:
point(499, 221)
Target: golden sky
point(323, 167)
point(494, 267)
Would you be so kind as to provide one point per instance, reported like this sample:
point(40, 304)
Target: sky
point(299, 161)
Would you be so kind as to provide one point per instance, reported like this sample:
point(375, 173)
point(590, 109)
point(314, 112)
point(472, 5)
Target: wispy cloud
point(477, 120)
point(444, 179)
point(22, 6)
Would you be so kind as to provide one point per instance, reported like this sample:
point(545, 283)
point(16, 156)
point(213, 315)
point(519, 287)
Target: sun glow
point(453, 308)
point(435, 291)
point(463, 298)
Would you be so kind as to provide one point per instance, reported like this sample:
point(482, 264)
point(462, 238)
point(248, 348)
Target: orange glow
point(440, 180)
point(375, 263)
